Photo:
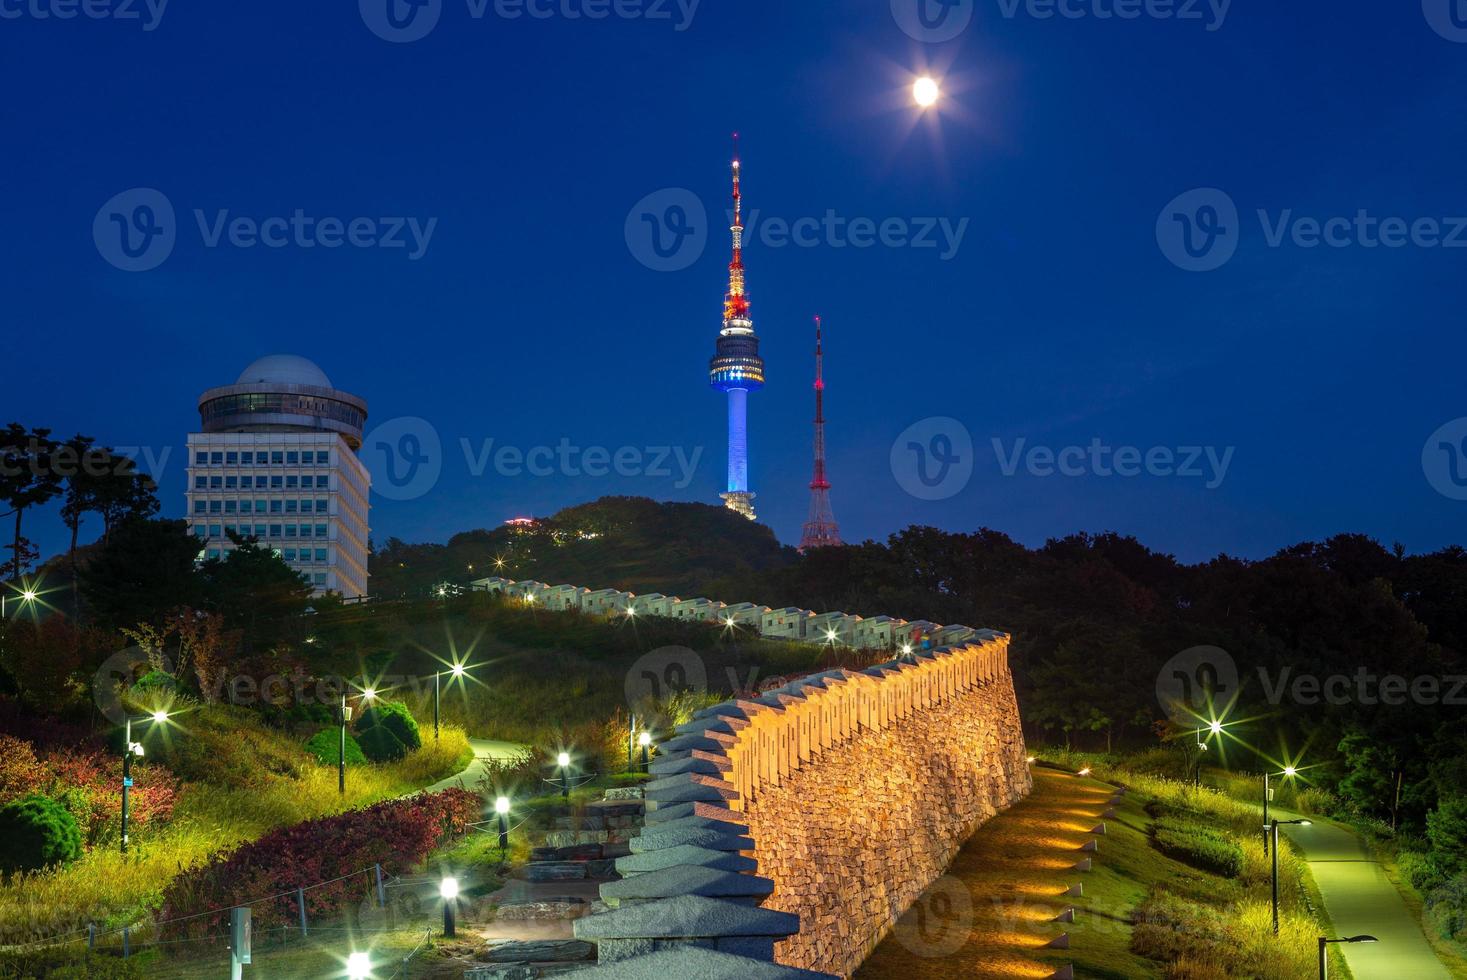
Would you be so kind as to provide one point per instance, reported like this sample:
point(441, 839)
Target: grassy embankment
point(1179, 889)
point(240, 779)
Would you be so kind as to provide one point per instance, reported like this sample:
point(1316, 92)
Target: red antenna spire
point(736, 304)
point(820, 530)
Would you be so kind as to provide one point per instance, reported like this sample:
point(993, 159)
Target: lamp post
point(457, 671)
point(501, 807)
point(1288, 773)
point(1324, 943)
point(130, 750)
point(343, 716)
point(563, 762)
point(448, 889)
point(358, 966)
point(27, 596)
point(1214, 727)
point(645, 741)
point(1274, 832)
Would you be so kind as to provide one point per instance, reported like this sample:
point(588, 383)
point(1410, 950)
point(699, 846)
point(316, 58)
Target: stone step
point(684, 854)
point(711, 839)
point(727, 927)
point(554, 871)
point(535, 951)
point(694, 963)
point(687, 880)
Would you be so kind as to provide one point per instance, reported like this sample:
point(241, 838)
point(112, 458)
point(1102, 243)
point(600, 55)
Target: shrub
point(1199, 845)
point(37, 832)
point(155, 682)
point(398, 834)
point(20, 772)
point(379, 744)
point(325, 745)
point(68, 964)
point(1420, 870)
point(396, 718)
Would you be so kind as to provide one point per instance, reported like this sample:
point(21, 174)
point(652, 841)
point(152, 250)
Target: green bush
point(396, 718)
point(37, 832)
point(379, 744)
point(325, 745)
point(156, 680)
point(1446, 909)
point(1198, 845)
point(1420, 870)
point(68, 964)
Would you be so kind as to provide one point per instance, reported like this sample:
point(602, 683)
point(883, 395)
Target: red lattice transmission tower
point(820, 530)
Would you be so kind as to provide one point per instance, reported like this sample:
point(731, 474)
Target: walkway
point(484, 750)
point(1360, 899)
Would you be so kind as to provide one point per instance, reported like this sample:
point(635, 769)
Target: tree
point(255, 591)
point(141, 574)
point(1446, 828)
point(28, 477)
point(1369, 781)
point(204, 646)
point(48, 658)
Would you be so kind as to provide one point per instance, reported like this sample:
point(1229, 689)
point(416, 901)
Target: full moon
point(925, 91)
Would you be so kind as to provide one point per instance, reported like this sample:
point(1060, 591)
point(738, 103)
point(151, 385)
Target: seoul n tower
point(737, 368)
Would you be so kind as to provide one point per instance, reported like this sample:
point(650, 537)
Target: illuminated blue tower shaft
point(736, 367)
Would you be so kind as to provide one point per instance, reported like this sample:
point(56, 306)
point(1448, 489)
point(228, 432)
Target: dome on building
point(284, 369)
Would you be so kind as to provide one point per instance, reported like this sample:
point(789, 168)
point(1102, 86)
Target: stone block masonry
point(839, 797)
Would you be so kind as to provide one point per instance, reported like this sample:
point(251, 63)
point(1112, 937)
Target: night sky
point(1059, 318)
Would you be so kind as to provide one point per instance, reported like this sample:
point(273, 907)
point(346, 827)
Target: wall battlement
point(851, 791)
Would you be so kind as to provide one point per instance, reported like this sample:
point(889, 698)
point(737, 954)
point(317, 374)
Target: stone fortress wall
point(786, 834)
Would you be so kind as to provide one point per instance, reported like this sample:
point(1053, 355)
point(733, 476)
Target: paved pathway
point(484, 750)
point(1361, 899)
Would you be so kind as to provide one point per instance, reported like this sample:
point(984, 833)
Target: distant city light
point(925, 91)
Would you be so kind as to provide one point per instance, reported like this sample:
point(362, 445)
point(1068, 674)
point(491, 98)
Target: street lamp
point(131, 750)
point(343, 716)
point(501, 807)
point(645, 741)
point(448, 889)
point(563, 762)
point(1324, 942)
point(458, 672)
point(1288, 772)
point(1274, 832)
point(27, 596)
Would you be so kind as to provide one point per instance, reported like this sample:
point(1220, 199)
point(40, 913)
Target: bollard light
point(448, 889)
point(563, 761)
point(358, 966)
point(501, 807)
point(645, 741)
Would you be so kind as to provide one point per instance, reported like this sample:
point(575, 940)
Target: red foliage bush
point(398, 834)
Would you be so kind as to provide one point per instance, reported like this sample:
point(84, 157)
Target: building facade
point(277, 461)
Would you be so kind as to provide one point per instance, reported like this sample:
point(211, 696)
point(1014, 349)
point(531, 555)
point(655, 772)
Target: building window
point(320, 554)
point(260, 530)
point(231, 482)
point(290, 554)
point(319, 578)
point(214, 507)
point(275, 506)
point(201, 459)
point(259, 483)
point(248, 459)
point(305, 530)
point(229, 506)
point(292, 459)
point(201, 531)
point(320, 530)
point(216, 482)
point(216, 459)
point(290, 530)
point(274, 530)
point(292, 481)
point(321, 507)
point(276, 483)
point(200, 482)
point(201, 507)
point(215, 531)
point(277, 458)
point(290, 506)
point(231, 458)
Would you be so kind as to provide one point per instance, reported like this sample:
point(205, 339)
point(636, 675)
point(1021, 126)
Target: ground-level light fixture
point(501, 809)
point(562, 761)
point(1084, 772)
point(132, 750)
point(457, 670)
point(645, 741)
point(358, 966)
point(448, 891)
point(1030, 760)
point(1325, 942)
